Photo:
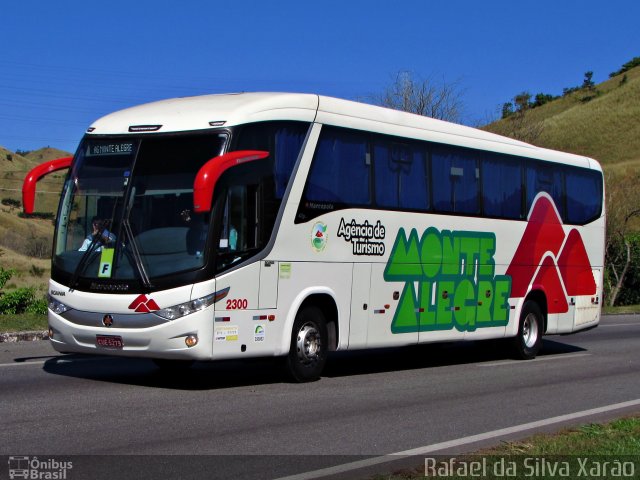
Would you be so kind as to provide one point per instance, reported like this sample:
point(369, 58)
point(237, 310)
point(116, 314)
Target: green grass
point(588, 446)
point(23, 322)
point(619, 310)
point(620, 437)
point(605, 127)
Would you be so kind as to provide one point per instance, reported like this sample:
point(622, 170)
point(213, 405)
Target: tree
point(634, 62)
point(518, 123)
point(507, 109)
point(588, 81)
point(623, 206)
point(522, 101)
point(542, 98)
point(422, 96)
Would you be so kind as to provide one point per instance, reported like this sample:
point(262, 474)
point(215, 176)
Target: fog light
point(191, 340)
point(50, 332)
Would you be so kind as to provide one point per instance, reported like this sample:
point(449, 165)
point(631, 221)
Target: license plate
point(109, 341)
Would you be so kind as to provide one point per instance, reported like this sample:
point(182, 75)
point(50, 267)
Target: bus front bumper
point(170, 340)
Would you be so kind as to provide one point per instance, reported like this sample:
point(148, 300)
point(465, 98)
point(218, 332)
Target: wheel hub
point(530, 331)
point(308, 344)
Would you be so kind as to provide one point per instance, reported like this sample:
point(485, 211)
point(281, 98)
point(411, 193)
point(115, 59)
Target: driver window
point(240, 221)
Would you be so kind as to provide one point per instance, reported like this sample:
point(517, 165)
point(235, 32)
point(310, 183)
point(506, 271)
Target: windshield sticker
point(319, 237)
point(106, 260)
point(110, 149)
point(363, 236)
point(450, 281)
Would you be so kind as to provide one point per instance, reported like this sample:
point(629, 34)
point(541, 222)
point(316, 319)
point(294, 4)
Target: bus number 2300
point(237, 304)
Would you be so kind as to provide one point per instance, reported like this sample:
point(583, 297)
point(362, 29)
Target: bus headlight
point(187, 308)
point(56, 306)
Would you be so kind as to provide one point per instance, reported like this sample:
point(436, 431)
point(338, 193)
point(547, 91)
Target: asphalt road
point(119, 418)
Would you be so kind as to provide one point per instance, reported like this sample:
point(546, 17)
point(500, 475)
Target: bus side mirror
point(35, 174)
point(211, 171)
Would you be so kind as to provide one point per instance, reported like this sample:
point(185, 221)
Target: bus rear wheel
point(308, 349)
point(527, 343)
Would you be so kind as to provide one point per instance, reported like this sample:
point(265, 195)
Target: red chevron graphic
point(575, 267)
point(142, 304)
point(549, 281)
point(544, 233)
point(561, 273)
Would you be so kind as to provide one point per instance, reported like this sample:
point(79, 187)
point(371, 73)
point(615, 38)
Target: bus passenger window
point(341, 169)
point(401, 176)
point(456, 183)
point(501, 187)
point(584, 196)
point(545, 177)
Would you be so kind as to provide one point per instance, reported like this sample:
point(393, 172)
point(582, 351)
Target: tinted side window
point(283, 140)
point(401, 175)
point(501, 187)
point(455, 180)
point(541, 177)
point(288, 142)
point(341, 170)
point(584, 196)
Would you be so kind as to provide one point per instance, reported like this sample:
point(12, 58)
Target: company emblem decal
point(547, 259)
point(142, 304)
point(319, 237)
point(107, 320)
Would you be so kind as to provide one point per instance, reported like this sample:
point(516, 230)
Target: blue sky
point(66, 63)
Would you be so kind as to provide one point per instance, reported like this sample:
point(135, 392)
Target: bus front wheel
point(308, 348)
point(526, 344)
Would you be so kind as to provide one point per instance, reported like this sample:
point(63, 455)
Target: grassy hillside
point(14, 167)
point(25, 243)
point(602, 123)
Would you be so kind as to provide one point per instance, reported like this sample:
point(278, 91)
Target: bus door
point(360, 294)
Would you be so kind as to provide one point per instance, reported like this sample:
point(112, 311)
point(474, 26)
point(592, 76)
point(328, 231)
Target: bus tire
point(528, 341)
point(308, 350)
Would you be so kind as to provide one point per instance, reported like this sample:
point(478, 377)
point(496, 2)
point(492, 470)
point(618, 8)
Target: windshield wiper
point(84, 261)
point(135, 253)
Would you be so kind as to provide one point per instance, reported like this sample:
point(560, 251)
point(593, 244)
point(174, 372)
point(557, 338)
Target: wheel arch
point(538, 295)
point(323, 298)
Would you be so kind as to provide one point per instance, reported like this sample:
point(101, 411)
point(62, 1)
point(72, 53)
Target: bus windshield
point(126, 211)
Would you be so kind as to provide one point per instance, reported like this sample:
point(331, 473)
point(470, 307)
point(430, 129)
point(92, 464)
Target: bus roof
point(208, 111)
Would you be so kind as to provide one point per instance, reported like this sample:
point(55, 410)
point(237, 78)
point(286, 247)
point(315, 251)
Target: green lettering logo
point(449, 281)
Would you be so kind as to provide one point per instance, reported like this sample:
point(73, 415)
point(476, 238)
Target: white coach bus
point(291, 225)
